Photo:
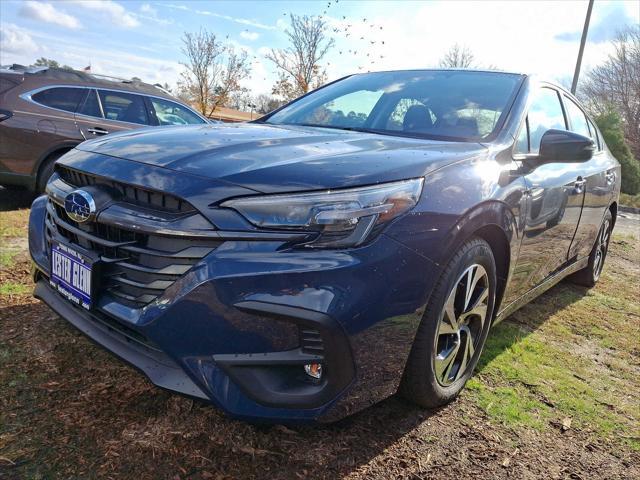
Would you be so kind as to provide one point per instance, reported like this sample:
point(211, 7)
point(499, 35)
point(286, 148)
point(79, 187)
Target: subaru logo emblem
point(79, 205)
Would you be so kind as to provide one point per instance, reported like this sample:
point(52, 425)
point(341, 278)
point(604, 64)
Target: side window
point(90, 106)
point(594, 134)
point(545, 114)
point(124, 107)
point(577, 118)
point(170, 113)
point(62, 98)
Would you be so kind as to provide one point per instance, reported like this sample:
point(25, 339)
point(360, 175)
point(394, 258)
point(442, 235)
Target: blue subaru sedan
point(358, 242)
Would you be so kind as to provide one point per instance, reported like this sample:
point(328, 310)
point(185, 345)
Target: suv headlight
point(343, 218)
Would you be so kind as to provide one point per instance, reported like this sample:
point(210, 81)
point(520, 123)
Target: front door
point(555, 197)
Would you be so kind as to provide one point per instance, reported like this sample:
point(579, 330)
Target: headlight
point(342, 217)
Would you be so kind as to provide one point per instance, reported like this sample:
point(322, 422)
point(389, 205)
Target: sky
point(143, 38)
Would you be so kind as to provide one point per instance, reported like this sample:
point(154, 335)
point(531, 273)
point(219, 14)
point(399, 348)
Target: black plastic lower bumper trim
point(277, 379)
point(162, 372)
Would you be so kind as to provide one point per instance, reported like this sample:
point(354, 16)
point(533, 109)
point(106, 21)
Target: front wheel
point(454, 328)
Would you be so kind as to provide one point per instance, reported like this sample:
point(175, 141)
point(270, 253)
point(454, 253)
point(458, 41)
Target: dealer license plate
point(71, 274)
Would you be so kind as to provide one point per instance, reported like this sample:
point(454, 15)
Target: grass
point(630, 200)
point(548, 364)
point(14, 288)
point(14, 223)
point(6, 258)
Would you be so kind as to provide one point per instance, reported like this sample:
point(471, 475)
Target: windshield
point(446, 104)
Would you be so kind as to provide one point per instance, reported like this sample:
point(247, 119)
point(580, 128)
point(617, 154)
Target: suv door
point(89, 116)
point(107, 111)
point(555, 195)
point(599, 176)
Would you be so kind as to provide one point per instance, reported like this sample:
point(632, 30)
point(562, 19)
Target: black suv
point(45, 112)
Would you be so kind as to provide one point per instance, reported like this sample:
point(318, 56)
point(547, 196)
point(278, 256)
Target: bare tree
point(299, 64)
point(616, 84)
point(266, 103)
point(457, 57)
point(213, 71)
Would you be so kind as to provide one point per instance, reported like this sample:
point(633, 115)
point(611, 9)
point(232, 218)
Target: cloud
point(148, 9)
point(16, 41)
point(603, 29)
point(240, 20)
point(118, 15)
point(247, 35)
point(46, 12)
point(147, 12)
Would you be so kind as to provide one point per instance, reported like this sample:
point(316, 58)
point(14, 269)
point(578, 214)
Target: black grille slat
point(311, 341)
point(131, 194)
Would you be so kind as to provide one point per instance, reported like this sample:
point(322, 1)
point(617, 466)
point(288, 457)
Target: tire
point(428, 379)
point(46, 170)
point(589, 275)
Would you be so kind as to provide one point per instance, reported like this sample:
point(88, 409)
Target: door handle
point(610, 178)
point(97, 131)
point(578, 186)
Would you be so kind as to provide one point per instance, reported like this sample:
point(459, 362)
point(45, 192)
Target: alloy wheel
point(461, 325)
point(602, 245)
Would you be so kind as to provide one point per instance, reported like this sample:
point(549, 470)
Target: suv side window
point(62, 98)
point(577, 118)
point(90, 106)
point(545, 114)
point(124, 107)
point(170, 113)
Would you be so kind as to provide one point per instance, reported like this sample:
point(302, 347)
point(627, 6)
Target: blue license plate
point(71, 274)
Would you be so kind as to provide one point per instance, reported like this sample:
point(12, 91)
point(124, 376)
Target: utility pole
point(583, 40)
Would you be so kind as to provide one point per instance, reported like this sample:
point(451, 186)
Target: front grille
point(135, 267)
point(129, 193)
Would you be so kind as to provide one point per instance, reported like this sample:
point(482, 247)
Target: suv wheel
point(454, 328)
point(590, 275)
point(46, 170)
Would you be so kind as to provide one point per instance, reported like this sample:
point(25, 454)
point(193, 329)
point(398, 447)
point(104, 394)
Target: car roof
point(75, 77)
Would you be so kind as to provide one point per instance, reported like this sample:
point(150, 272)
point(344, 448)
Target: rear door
point(89, 118)
point(107, 111)
point(555, 195)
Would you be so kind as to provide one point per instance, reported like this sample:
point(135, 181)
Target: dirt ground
point(555, 396)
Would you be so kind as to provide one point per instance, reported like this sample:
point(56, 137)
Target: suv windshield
point(447, 105)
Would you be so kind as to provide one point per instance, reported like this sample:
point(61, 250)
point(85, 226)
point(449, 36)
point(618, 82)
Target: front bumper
point(237, 329)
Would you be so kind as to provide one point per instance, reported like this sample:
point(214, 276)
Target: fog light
point(313, 370)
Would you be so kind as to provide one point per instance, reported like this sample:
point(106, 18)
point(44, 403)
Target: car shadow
point(15, 199)
point(528, 319)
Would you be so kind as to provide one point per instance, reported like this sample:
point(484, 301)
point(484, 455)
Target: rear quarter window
point(62, 98)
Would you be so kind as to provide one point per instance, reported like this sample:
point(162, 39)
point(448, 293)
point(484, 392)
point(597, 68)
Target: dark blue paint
point(375, 294)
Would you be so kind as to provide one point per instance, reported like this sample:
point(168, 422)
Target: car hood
point(276, 158)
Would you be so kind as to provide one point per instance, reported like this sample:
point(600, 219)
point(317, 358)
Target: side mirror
point(562, 146)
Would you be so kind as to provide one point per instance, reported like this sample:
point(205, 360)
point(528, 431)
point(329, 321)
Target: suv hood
point(277, 158)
